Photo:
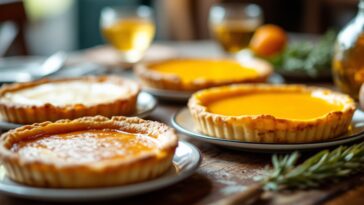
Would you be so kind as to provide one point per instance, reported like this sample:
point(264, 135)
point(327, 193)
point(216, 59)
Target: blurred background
point(42, 27)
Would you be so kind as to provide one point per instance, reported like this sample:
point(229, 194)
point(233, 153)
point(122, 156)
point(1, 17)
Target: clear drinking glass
point(130, 30)
point(233, 24)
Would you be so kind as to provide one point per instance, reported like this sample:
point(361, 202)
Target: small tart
point(271, 113)
point(194, 74)
point(88, 152)
point(54, 99)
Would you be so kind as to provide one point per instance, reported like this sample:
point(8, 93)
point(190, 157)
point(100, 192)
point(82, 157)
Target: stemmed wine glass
point(130, 30)
point(233, 24)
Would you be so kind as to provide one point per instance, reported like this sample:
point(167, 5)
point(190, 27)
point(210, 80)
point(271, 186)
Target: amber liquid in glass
point(131, 35)
point(234, 35)
point(348, 67)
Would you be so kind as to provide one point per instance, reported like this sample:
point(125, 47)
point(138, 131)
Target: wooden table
point(224, 172)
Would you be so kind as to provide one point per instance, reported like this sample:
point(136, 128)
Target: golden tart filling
point(194, 74)
point(271, 113)
point(190, 70)
point(54, 99)
point(88, 152)
point(280, 105)
point(83, 147)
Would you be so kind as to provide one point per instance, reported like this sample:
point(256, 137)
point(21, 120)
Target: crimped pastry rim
point(167, 140)
point(134, 89)
point(150, 76)
point(195, 104)
point(28, 114)
point(267, 128)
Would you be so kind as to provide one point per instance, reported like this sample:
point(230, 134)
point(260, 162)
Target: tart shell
point(28, 114)
point(164, 81)
point(267, 128)
point(98, 174)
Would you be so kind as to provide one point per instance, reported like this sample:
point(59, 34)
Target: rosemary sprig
point(325, 166)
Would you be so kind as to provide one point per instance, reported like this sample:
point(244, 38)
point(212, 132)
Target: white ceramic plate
point(21, 64)
point(186, 160)
point(182, 121)
point(183, 96)
point(146, 103)
point(168, 94)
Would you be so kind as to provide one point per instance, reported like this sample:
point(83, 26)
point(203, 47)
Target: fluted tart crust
point(266, 127)
point(88, 152)
point(258, 72)
point(70, 98)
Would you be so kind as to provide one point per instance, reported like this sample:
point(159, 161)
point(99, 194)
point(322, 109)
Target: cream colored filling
point(67, 93)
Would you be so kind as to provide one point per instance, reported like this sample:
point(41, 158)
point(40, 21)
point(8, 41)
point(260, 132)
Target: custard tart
point(54, 99)
point(194, 74)
point(88, 152)
point(271, 113)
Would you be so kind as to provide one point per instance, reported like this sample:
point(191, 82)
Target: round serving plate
point(23, 66)
point(183, 122)
point(186, 160)
point(146, 103)
point(182, 96)
point(171, 95)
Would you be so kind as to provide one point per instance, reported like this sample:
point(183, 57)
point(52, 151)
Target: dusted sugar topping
point(296, 106)
point(67, 93)
point(83, 147)
point(194, 69)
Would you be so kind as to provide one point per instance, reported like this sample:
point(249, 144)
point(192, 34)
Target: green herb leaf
point(306, 57)
point(325, 166)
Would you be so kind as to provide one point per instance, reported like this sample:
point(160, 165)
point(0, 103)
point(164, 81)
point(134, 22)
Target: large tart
point(54, 99)
point(88, 152)
point(271, 113)
point(195, 74)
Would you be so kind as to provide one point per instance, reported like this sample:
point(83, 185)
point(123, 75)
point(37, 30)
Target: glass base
point(131, 56)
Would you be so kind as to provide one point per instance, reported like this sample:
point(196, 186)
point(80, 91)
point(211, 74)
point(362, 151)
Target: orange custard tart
point(54, 99)
point(88, 152)
point(195, 74)
point(271, 113)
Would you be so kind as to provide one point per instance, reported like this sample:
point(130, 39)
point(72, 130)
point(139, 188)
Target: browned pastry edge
point(267, 128)
point(27, 114)
point(98, 174)
point(164, 81)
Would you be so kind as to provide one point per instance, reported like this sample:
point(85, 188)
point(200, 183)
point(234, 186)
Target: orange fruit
point(268, 40)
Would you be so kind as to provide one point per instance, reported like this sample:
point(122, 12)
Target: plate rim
point(168, 94)
point(22, 59)
point(8, 125)
point(54, 194)
point(147, 112)
point(260, 146)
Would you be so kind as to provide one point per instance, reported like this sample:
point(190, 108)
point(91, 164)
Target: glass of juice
point(130, 30)
point(233, 24)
